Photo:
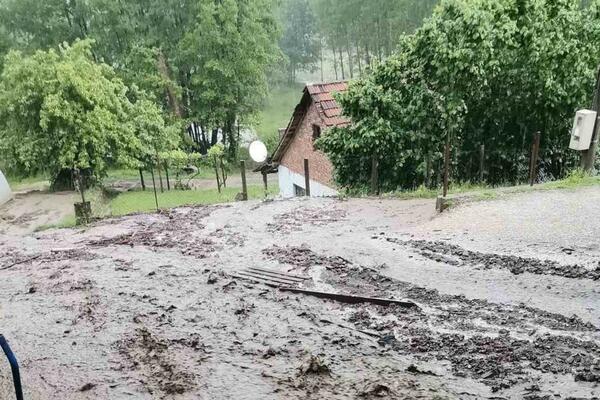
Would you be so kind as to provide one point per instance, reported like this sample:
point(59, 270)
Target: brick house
point(317, 112)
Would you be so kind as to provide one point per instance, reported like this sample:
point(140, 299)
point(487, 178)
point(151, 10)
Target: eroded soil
point(150, 307)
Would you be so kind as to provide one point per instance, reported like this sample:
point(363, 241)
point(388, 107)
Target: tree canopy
point(61, 110)
point(479, 72)
point(202, 60)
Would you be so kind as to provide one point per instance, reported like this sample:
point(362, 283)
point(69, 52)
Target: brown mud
point(148, 307)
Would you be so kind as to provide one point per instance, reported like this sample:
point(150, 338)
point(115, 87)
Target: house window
point(316, 133)
point(299, 191)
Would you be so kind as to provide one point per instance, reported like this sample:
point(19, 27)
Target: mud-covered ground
point(152, 306)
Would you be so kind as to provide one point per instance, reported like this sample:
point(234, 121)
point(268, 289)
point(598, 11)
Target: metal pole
point(446, 165)
point(154, 186)
point(14, 366)
point(244, 184)
point(306, 177)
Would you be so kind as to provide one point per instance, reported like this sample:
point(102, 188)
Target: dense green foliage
point(488, 72)
point(203, 60)
point(60, 110)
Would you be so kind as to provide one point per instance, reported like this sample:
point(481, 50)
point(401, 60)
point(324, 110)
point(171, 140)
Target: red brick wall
point(301, 147)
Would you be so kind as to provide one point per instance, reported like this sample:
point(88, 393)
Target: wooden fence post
point(167, 176)
point(217, 175)
point(375, 176)
point(142, 180)
point(535, 149)
point(154, 185)
point(446, 166)
point(265, 183)
point(244, 184)
point(306, 177)
point(481, 163)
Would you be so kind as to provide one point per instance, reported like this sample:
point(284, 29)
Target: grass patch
point(426, 193)
point(67, 222)
point(134, 202)
point(574, 180)
point(37, 182)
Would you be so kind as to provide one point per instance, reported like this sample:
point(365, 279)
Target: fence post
point(142, 180)
point(167, 176)
point(162, 188)
point(154, 186)
point(535, 149)
point(244, 184)
point(265, 183)
point(375, 176)
point(446, 166)
point(306, 177)
point(217, 174)
point(481, 163)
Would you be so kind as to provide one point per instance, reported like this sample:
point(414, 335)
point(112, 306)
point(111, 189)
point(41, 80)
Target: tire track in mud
point(499, 345)
point(457, 256)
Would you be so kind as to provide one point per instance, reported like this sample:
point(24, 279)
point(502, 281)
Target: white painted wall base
point(5, 192)
point(287, 180)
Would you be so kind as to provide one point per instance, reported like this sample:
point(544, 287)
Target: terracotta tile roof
point(321, 95)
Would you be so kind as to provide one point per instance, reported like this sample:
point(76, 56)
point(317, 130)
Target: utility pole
point(588, 157)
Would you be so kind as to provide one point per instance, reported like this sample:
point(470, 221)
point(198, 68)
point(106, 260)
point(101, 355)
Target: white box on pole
point(583, 130)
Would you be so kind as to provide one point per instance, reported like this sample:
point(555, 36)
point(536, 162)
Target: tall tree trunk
point(342, 63)
point(215, 137)
point(321, 54)
point(335, 66)
point(350, 61)
point(367, 55)
point(173, 100)
point(358, 59)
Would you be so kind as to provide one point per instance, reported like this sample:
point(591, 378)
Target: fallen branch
point(20, 262)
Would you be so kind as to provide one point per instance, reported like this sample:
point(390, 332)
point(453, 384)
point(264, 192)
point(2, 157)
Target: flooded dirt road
point(163, 306)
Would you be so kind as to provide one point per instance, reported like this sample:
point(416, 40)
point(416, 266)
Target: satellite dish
point(258, 151)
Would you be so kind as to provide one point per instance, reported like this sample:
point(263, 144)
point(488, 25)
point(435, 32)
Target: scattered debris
point(212, 278)
point(87, 387)
point(457, 256)
point(270, 277)
point(304, 257)
point(179, 229)
point(314, 365)
point(295, 220)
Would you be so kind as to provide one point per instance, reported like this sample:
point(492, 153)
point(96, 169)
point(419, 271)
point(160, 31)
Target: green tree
point(478, 72)
point(60, 110)
point(300, 42)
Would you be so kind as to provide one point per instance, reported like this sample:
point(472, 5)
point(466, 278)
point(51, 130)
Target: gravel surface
point(151, 306)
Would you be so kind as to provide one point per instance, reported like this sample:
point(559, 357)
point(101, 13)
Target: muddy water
point(146, 307)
